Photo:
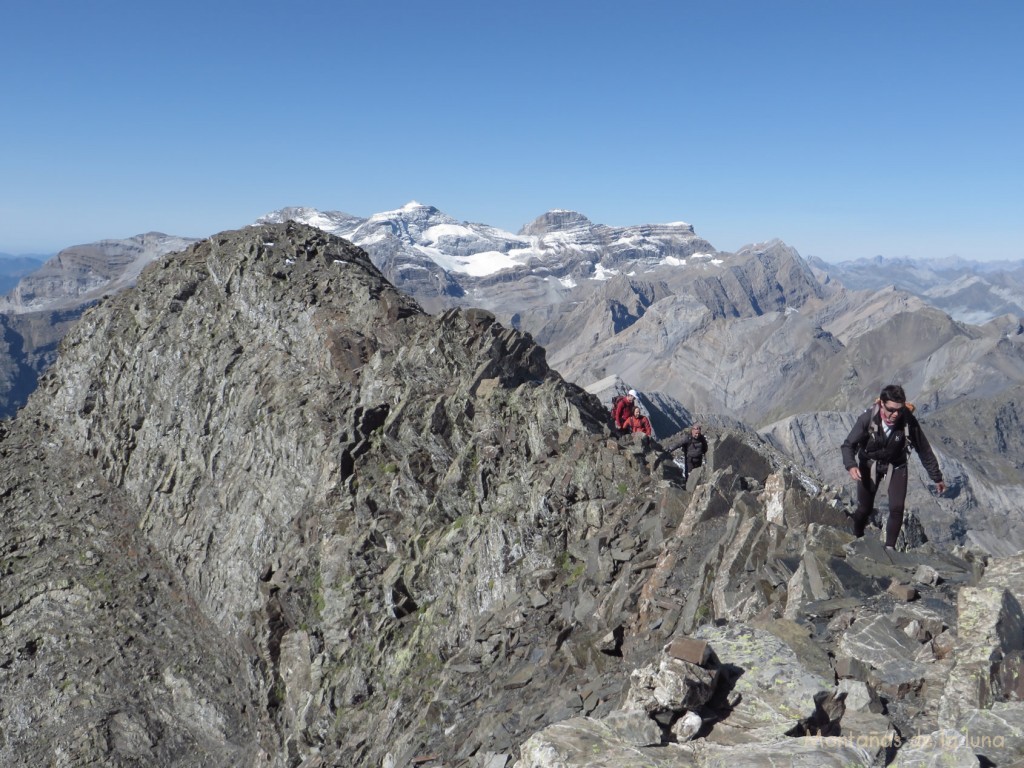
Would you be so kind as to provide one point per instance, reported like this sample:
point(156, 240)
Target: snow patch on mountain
point(475, 265)
point(601, 273)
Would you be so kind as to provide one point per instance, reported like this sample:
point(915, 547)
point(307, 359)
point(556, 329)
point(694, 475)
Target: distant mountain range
point(13, 268)
point(970, 291)
point(82, 274)
point(440, 261)
point(788, 346)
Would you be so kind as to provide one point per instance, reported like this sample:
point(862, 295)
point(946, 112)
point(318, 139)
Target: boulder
point(674, 686)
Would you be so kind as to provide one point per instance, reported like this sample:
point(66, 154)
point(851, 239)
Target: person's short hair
point(893, 393)
point(695, 426)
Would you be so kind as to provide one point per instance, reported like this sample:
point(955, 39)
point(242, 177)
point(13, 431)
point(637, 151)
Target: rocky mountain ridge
point(761, 337)
point(264, 510)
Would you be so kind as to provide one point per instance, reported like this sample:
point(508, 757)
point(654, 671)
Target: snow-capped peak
point(558, 243)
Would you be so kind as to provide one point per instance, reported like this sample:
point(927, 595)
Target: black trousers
point(867, 489)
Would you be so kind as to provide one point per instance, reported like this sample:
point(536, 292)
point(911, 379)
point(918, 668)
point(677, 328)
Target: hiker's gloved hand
point(940, 487)
point(854, 473)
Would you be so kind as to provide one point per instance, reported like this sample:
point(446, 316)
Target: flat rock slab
point(1005, 572)
point(584, 742)
point(939, 749)
point(829, 608)
point(808, 752)
point(877, 640)
point(868, 730)
point(797, 636)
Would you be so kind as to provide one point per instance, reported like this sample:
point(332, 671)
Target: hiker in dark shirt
point(694, 446)
point(881, 439)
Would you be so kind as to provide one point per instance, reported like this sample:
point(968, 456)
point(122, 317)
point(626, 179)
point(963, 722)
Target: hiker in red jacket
point(622, 408)
point(637, 422)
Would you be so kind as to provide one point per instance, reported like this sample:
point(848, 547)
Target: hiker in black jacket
point(694, 446)
point(883, 436)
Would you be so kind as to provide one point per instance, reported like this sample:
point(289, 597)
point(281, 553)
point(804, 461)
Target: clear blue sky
point(847, 128)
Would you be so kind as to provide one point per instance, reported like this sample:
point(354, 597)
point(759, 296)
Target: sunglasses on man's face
point(887, 409)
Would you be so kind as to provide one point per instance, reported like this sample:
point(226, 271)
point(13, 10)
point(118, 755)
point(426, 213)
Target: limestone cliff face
point(83, 273)
point(44, 304)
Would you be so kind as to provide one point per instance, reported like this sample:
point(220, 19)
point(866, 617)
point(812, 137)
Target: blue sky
point(846, 128)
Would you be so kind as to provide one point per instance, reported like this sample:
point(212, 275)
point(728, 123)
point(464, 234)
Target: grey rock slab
point(868, 730)
point(828, 608)
point(585, 742)
point(898, 678)
point(828, 540)
point(859, 697)
point(1005, 572)
point(877, 640)
point(634, 727)
point(813, 581)
point(807, 752)
point(809, 652)
point(990, 624)
point(938, 749)
point(996, 733)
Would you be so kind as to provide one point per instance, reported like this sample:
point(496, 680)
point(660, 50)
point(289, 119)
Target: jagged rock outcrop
point(766, 277)
point(609, 309)
point(361, 498)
